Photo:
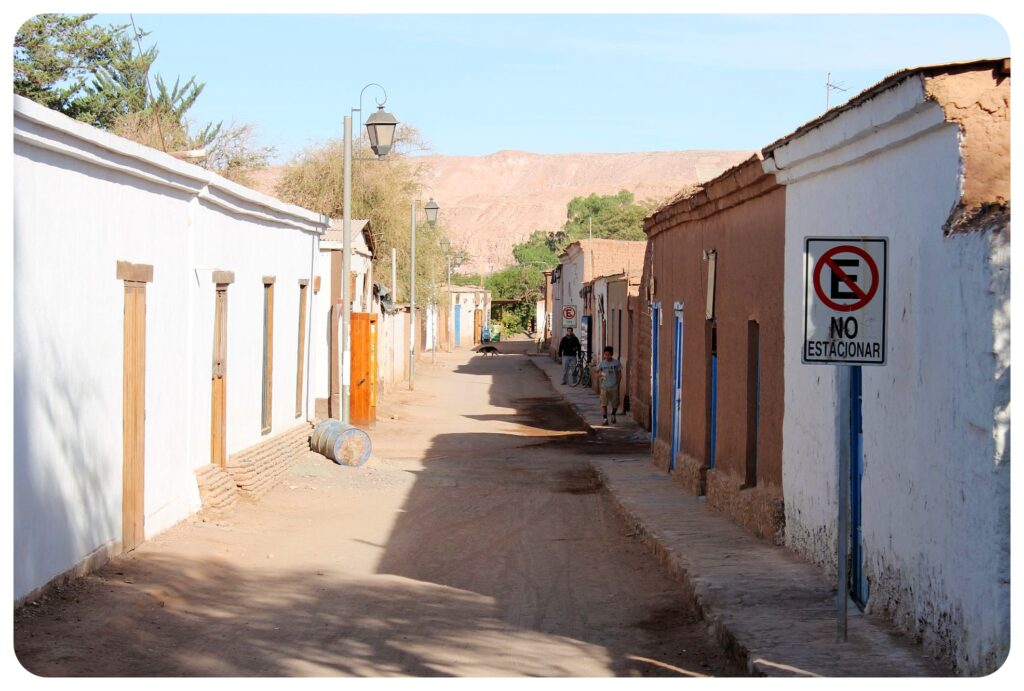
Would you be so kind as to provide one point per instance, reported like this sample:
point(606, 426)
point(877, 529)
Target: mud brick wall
point(257, 469)
point(217, 490)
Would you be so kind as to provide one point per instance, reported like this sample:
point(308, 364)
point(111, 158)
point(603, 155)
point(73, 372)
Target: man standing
point(568, 349)
point(609, 375)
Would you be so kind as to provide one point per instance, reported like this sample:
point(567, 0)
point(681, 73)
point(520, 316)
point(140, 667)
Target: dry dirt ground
point(475, 542)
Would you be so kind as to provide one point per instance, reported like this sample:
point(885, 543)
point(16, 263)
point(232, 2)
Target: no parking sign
point(845, 301)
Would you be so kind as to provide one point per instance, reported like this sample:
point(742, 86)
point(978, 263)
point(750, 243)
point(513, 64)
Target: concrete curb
point(716, 627)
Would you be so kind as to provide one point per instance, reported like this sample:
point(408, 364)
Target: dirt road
point(477, 542)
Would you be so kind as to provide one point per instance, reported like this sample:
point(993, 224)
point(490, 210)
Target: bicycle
point(581, 372)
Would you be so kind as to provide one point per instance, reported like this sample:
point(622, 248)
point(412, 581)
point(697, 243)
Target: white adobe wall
point(936, 444)
point(571, 283)
point(84, 199)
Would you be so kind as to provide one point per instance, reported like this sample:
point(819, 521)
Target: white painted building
point(466, 302)
point(923, 159)
point(85, 200)
point(327, 280)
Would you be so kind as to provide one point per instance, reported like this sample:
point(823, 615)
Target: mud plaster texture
point(758, 509)
point(979, 103)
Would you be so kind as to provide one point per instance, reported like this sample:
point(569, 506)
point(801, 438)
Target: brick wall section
point(257, 469)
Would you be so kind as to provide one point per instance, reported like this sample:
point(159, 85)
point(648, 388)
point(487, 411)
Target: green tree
point(459, 279)
point(614, 216)
point(55, 56)
point(95, 74)
point(540, 249)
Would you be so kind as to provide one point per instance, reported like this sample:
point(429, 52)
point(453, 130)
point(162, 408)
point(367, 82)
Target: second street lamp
point(431, 210)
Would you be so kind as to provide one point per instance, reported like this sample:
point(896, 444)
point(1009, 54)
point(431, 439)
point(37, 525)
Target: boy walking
point(609, 375)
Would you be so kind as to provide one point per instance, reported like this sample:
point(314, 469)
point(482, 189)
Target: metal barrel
point(342, 443)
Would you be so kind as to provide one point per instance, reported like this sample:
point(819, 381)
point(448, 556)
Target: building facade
point(923, 158)
point(716, 340)
point(161, 327)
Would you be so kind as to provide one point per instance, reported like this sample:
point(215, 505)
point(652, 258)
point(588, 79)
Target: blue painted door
point(458, 330)
point(677, 390)
point(655, 319)
point(858, 579)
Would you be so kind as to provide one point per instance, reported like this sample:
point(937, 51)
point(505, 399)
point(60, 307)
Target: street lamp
point(381, 130)
point(431, 208)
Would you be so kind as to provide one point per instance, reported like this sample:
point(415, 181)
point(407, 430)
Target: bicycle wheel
point(585, 376)
point(574, 377)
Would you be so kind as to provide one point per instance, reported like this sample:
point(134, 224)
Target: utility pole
point(412, 293)
point(346, 268)
point(394, 275)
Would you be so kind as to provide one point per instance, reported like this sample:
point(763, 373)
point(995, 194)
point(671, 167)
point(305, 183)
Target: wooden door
point(363, 355)
point(135, 277)
point(478, 325)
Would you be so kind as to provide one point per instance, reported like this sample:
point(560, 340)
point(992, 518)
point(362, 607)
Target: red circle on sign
point(826, 260)
point(569, 312)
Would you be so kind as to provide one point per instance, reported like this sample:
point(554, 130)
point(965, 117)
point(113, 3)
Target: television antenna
point(831, 86)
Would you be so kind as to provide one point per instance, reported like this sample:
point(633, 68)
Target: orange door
point(361, 394)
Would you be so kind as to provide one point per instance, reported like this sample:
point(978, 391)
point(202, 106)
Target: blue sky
point(475, 84)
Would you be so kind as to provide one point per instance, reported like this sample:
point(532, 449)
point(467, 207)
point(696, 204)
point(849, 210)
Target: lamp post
point(430, 209)
point(380, 128)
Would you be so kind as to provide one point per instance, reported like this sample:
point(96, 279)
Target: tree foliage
point(614, 216)
point(95, 74)
point(383, 192)
point(55, 55)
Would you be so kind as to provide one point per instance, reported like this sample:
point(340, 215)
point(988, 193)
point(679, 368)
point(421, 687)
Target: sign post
point(845, 302)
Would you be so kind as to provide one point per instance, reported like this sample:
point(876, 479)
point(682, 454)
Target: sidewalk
point(588, 406)
point(762, 602)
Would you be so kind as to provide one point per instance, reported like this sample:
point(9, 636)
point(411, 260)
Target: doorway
point(655, 321)
point(712, 393)
point(677, 387)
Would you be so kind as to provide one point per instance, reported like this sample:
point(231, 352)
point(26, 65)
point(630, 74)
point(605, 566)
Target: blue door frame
point(458, 324)
point(655, 319)
point(858, 579)
point(677, 388)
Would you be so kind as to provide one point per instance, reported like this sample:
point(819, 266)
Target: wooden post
point(135, 277)
point(218, 375)
point(268, 355)
point(303, 285)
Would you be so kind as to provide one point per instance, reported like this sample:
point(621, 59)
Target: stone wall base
point(257, 469)
point(691, 473)
point(758, 509)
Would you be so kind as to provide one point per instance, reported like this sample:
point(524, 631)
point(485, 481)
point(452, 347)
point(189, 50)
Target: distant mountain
point(488, 203)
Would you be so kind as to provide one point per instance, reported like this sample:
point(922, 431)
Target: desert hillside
point(488, 203)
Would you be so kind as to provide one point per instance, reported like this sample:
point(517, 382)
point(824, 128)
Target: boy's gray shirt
point(611, 369)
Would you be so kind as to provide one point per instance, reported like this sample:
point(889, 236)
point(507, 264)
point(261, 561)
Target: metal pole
point(394, 275)
point(591, 224)
point(346, 268)
point(448, 318)
point(843, 489)
point(412, 293)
